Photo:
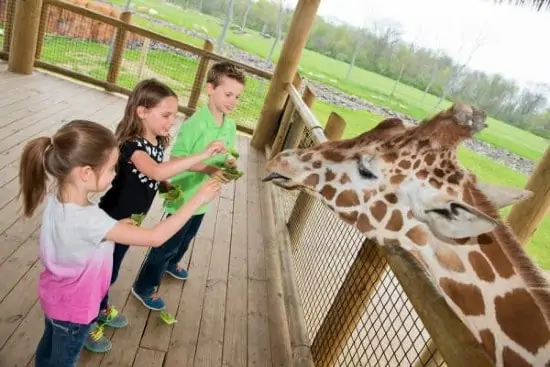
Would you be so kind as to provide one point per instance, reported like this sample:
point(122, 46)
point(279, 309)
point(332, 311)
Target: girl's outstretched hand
point(209, 190)
point(216, 147)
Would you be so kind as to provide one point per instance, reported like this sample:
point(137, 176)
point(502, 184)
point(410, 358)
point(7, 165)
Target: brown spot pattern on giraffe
point(333, 155)
point(306, 157)
point(449, 260)
point(363, 223)
point(455, 178)
point(347, 198)
point(328, 192)
point(488, 341)
point(405, 164)
point(378, 210)
point(512, 359)
point(329, 175)
point(349, 218)
point(397, 179)
point(532, 333)
point(345, 179)
point(417, 235)
point(367, 195)
point(317, 164)
point(390, 157)
point(422, 174)
point(467, 297)
point(391, 198)
point(396, 221)
point(312, 180)
point(429, 159)
point(481, 266)
point(435, 183)
point(439, 172)
point(495, 255)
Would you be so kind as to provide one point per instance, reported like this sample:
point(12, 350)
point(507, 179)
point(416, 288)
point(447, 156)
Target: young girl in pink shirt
point(77, 237)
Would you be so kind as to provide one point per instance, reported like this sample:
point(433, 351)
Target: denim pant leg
point(118, 256)
point(67, 341)
point(156, 262)
point(44, 348)
point(194, 225)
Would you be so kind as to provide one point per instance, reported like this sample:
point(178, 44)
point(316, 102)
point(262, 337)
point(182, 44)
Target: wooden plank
point(259, 350)
point(210, 341)
point(186, 330)
point(148, 358)
point(235, 348)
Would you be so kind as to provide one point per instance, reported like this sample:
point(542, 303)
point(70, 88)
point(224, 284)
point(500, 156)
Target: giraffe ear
point(503, 196)
point(451, 218)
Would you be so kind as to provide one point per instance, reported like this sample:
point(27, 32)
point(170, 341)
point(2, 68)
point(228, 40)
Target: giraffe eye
point(364, 171)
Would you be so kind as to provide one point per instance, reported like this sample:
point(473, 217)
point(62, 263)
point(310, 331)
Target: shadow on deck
point(222, 309)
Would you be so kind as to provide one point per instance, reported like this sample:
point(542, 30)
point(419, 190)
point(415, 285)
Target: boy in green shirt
point(224, 85)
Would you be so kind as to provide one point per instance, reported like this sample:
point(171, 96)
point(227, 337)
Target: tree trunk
point(228, 19)
point(398, 80)
point(243, 26)
point(278, 31)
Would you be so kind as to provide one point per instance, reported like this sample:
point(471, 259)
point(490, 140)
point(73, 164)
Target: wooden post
point(41, 30)
point(525, 216)
point(304, 202)
point(24, 36)
point(291, 52)
point(199, 76)
point(118, 49)
point(143, 57)
point(296, 131)
point(348, 306)
point(8, 25)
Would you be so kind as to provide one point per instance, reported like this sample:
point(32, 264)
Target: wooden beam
point(24, 36)
point(525, 216)
point(291, 52)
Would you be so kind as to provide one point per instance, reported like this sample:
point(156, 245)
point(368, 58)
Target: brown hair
point(77, 143)
point(227, 69)
point(147, 93)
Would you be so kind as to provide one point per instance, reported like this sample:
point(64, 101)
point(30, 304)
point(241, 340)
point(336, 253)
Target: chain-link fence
point(356, 312)
point(86, 44)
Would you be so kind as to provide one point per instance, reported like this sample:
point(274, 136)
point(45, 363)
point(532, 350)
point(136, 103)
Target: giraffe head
point(403, 185)
point(394, 177)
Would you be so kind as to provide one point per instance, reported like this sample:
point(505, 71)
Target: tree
point(278, 30)
point(228, 19)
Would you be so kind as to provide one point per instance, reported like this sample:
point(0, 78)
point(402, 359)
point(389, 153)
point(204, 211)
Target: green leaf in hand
point(138, 218)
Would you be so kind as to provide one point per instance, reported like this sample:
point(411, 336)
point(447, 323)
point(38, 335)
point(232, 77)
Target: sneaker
point(112, 318)
point(152, 302)
point(177, 272)
point(97, 342)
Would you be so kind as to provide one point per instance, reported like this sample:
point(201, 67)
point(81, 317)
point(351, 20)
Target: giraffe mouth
point(274, 176)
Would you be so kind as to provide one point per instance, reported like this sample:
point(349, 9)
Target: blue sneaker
point(112, 318)
point(97, 342)
point(152, 302)
point(177, 272)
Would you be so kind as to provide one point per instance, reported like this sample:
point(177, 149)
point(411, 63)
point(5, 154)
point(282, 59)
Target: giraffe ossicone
point(404, 184)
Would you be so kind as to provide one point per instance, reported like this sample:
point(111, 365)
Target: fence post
point(24, 36)
point(304, 202)
point(285, 124)
point(118, 50)
point(525, 216)
point(8, 25)
point(199, 76)
point(296, 131)
point(41, 30)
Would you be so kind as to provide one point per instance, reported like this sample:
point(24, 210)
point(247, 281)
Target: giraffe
point(404, 185)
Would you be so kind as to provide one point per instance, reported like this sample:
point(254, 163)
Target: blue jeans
point(61, 343)
point(118, 256)
point(169, 253)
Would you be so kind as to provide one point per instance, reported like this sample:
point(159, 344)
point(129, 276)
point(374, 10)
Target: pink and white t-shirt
point(77, 260)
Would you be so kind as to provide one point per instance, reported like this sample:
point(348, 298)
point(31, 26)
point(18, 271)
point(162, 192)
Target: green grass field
point(178, 72)
point(370, 86)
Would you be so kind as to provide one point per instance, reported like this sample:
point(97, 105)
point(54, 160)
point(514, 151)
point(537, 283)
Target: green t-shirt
point(193, 137)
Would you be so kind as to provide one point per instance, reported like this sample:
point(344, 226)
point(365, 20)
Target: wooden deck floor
point(222, 309)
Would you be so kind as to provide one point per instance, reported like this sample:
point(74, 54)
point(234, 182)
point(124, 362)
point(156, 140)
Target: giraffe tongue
point(272, 176)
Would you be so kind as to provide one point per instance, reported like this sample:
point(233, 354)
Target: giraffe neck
point(484, 285)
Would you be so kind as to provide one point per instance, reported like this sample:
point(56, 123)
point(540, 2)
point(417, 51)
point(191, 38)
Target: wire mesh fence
point(339, 273)
point(86, 46)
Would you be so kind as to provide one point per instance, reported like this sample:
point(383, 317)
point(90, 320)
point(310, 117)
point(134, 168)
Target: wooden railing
point(122, 29)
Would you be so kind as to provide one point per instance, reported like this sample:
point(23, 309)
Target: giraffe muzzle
point(274, 176)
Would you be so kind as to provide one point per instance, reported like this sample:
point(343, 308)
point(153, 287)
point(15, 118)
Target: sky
point(511, 38)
